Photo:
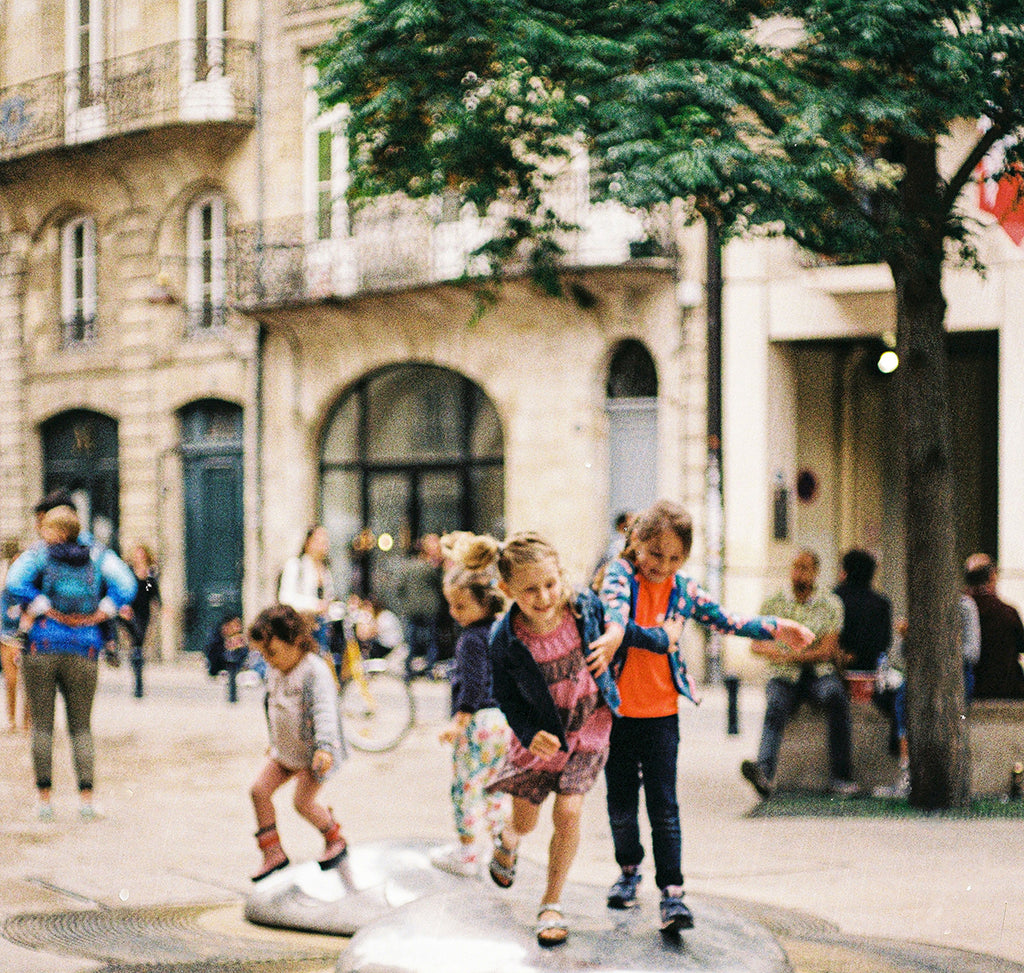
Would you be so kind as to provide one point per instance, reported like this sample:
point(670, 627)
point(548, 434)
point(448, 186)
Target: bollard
point(732, 687)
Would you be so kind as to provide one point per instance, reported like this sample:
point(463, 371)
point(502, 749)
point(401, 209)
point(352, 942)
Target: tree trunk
point(939, 765)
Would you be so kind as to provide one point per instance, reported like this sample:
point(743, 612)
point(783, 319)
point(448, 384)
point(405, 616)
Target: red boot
point(274, 857)
point(335, 846)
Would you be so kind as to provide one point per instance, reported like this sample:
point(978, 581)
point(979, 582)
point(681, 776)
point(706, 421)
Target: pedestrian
point(11, 641)
point(307, 585)
point(478, 731)
point(557, 696)
point(420, 603)
point(305, 734)
point(645, 585)
point(143, 562)
point(66, 591)
point(998, 673)
point(809, 672)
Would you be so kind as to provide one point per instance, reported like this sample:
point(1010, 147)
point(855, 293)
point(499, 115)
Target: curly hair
point(285, 623)
point(473, 569)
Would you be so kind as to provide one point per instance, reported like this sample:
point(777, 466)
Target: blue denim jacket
point(519, 685)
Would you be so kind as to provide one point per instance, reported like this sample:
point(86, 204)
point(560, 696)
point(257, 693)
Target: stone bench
point(995, 739)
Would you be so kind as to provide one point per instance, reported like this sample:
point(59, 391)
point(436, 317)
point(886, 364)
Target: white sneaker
point(455, 861)
point(898, 790)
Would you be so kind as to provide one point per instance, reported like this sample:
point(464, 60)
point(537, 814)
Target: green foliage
point(684, 99)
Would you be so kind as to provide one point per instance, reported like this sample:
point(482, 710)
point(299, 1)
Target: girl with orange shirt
point(645, 586)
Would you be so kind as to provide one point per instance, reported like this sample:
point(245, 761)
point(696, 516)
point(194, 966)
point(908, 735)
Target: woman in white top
point(306, 583)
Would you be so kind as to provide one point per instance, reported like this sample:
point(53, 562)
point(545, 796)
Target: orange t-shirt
point(646, 688)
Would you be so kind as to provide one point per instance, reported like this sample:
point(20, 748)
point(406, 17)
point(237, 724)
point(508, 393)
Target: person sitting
point(998, 673)
point(804, 674)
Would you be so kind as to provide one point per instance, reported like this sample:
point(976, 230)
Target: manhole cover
point(159, 939)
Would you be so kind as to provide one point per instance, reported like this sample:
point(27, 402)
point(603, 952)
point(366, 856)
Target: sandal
point(503, 872)
point(554, 930)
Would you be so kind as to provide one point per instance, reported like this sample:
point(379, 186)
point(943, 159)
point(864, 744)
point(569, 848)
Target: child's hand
point(601, 651)
point(793, 634)
point(674, 630)
point(322, 763)
point(544, 745)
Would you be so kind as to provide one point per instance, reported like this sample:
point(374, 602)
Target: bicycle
point(377, 706)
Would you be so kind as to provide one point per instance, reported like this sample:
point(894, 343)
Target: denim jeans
point(783, 699)
point(644, 751)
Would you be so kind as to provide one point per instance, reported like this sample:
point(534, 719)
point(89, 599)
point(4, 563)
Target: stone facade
point(304, 321)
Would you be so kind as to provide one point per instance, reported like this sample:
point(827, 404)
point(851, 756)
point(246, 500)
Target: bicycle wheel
point(378, 718)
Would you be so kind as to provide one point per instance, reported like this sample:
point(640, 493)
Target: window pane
point(342, 516)
point(415, 416)
point(440, 502)
point(485, 437)
point(340, 444)
point(487, 512)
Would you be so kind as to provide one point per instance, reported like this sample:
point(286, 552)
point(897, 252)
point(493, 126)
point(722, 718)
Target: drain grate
point(156, 940)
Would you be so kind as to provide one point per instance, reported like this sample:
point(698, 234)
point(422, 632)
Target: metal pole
point(714, 534)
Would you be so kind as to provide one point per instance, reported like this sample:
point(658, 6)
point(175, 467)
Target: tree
point(832, 139)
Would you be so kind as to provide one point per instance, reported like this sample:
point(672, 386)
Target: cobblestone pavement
point(161, 877)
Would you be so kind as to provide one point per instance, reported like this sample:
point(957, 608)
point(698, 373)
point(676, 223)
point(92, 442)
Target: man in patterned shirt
point(807, 674)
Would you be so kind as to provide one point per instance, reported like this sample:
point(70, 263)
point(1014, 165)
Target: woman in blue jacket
point(66, 590)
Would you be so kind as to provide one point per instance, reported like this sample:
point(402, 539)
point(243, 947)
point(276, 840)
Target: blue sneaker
point(675, 916)
point(622, 895)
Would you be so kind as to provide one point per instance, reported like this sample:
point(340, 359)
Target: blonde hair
point(64, 521)
point(481, 551)
point(472, 568)
point(660, 516)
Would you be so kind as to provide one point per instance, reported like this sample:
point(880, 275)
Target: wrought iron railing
point(78, 331)
point(180, 81)
point(401, 244)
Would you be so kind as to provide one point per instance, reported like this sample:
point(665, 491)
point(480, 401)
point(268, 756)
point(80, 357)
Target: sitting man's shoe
point(622, 895)
point(675, 916)
point(843, 788)
point(751, 769)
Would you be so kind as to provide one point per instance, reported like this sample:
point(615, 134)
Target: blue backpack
point(73, 589)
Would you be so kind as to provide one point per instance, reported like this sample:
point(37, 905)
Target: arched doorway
point(410, 450)
point(80, 454)
point(632, 406)
point(211, 453)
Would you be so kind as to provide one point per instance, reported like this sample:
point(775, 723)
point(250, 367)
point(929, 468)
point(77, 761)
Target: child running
point(645, 585)
point(540, 654)
point(478, 731)
point(305, 734)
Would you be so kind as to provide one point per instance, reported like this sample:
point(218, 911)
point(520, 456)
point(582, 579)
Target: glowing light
point(385, 542)
point(888, 362)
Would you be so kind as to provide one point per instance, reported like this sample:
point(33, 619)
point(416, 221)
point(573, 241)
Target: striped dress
point(585, 717)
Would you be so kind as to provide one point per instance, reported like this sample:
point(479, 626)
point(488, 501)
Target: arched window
point(408, 451)
point(631, 374)
point(205, 233)
point(78, 281)
point(632, 405)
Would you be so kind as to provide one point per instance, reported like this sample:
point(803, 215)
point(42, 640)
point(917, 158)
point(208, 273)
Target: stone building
point(200, 339)
point(203, 343)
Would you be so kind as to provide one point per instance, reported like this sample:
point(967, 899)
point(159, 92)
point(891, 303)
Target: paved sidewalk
point(173, 772)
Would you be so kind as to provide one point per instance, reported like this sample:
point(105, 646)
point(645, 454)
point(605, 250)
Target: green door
point(211, 446)
point(80, 455)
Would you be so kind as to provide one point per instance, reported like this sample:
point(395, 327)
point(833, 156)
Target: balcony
point(180, 82)
point(402, 244)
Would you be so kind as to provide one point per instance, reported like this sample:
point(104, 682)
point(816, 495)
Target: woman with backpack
point(66, 591)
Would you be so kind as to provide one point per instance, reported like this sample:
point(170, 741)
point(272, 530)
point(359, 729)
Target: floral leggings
point(475, 758)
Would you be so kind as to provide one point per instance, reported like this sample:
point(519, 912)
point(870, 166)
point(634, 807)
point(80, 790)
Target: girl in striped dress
point(556, 695)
